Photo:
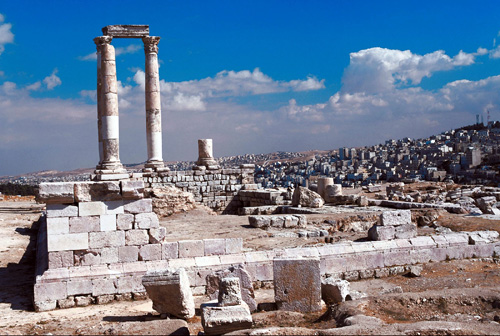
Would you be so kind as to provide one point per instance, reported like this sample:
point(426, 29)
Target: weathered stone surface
point(126, 31)
point(169, 250)
point(379, 232)
point(91, 208)
point(170, 200)
point(84, 224)
point(215, 246)
point(487, 205)
point(57, 225)
point(281, 221)
point(128, 253)
point(334, 290)
point(61, 210)
point(170, 292)
point(136, 237)
point(68, 242)
point(106, 239)
point(229, 292)
point(132, 189)
point(150, 252)
point(332, 191)
point(394, 218)
point(221, 320)
point(87, 258)
point(307, 198)
point(125, 221)
point(60, 259)
point(56, 193)
point(156, 236)
point(297, 284)
point(247, 292)
point(97, 191)
point(191, 248)
point(405, 231)
point(146, 221)
point(138, 206)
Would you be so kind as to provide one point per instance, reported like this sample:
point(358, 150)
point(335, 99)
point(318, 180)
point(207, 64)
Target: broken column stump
point(297, 284)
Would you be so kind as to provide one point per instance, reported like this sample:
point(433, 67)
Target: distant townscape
point(469, 155)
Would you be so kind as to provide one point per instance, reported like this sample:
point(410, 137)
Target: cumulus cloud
point(131, 49)
point(6, 36)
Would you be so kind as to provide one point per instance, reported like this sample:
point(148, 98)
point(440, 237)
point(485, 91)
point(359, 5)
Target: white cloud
point(52, 81)
point(131, 49)
point(6, 36)
point(495, 53)
point(34, 87)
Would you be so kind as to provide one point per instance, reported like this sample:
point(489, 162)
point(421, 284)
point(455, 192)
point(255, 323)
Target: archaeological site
point(212, 250)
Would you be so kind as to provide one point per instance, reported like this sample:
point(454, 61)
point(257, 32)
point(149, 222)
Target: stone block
point(128, 254)
point(438, 254)
point(170, 292)
point(50, 291)
point(61, 210)
point(104, 299)
point(421, 256)
point(214, 246)
point(60, 259)
point(57, 225)
point(83, 301)
point(79, 287)
point(129, 284)
point(422, 242)
point(107, 222)
point(157, 236)
point(56, 193)
point(297, 284)
point(186, 263)
point(41, 306)
point(84, 224)
point(229, 292)
point(234, 245)
point(104, 286)
point(379, 232)
point(136, 237)
point(125, 221)
point(334, 290)
point(169, 250)
point(191, 248)
point(91, 208)
point(394, 218)
point(138, 206)
point(259, 221)
point(114, 207)
point(221, 320)
point(106, 239)
point(146, 221)
point(394, 258)
point(87, 258)
point(457, 239)
point(150, 252)
point(405, 231)
point(132, 189)
point(68, 242)
point(135, 267)
point(66, 303)
point(232, 259)
point(333, 265)
point(97, 191)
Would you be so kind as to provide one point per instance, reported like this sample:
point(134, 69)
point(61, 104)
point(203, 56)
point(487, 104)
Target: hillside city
point(468, 155)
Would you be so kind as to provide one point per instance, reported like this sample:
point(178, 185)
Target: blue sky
point(256, 76)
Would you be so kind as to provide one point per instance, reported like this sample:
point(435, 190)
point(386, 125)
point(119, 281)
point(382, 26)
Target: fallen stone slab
point(170, 292)
point(307, 198)
point(334, 290)
point(229, 292)
point(394, 218)
point(218, 320)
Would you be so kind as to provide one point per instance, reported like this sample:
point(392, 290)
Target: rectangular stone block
point(56, 193)
point(124, 221)
point(157, 235)
point(97, 191)
point(109, 255)
point(50, 291)
point(130, 284)
point(169, 250)
point(107, 222)
point(207, 261)
point(420, 256)
point(114, 207)
point(396, 217)
point(106, 239)
point(138, 267)
point(332, 265)
point(396, 258)
point(232, 259)
point(87, 258)
point(126, 31)
point(128, 254)
point(68, 242)
point(360, 247)
point(234, 245)
point(150, 252)
point(103, 286)
point(186, 263)
point(457, 239)
point(191, 248)
point(422, 242)
point(380, 232)
point(60, 259)
point(297, 284)
point(57, 225)
point(146, 221)
point(438, 254)
point(132, 189)
point(61, 210)
point(79, 287)
point(136, 237)
point(91, 208)
point(157, 265)
point(138, 206)
point(84, 224)
point(405, 231)
point(215, 246)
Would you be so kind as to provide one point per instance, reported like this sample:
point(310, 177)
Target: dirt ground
point(455, 291)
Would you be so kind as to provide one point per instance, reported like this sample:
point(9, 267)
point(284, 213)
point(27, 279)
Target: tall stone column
point(109, 107)
point(97, 41)
point(153, 103)
point(205, 153)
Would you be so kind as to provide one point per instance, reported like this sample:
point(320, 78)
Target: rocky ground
point(456, 297)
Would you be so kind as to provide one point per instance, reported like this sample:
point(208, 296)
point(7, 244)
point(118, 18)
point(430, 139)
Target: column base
point(206, 162)
point(110, 168)
point(155, 166)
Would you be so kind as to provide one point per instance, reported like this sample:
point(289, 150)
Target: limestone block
point(61, 210)
point(103, 286)
point(124, 221)
point(138, 206)
point(60, 259)
point(457, 239)
point(68, 242)
point(91, 208)
point(422, 242)
point(66, 303)
point(136, 237)
point(97, 191)
point(334, 290)
point(132, 189)
point(129, 284)
point(332, 191)
point(146, 221)
point(56, 193)
point(297, 284)
point(83, 301)
point(57, 225)
point(396, 258)
point(114, 207)
point(50, 291)
point(379, 232)
point(191, 248)
point(79, 287)
point(229, 292)
point(87, 258)
point(106, 239)
point(169, 250)
point(84, 224)
point(109, 255)
point(221, 320)
point(259, 221)
point(234, 245)
point(156, 236)
point(170, 292)
point(214, 246)
point(307, 198)
point(397, 217)
point(150, 252)
point(128, 253)
point(107, 222)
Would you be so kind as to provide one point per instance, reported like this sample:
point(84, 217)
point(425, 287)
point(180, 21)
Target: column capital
point(100, 40)
point(151, 44)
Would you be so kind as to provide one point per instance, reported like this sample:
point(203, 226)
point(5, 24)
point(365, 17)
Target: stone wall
point(252, 197)
point(214, 187)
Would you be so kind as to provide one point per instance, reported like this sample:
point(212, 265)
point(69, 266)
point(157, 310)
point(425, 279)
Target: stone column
point(109, 107)
point(205, 153)
point(153, 103)
point(323, 182)
point(99, 99)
